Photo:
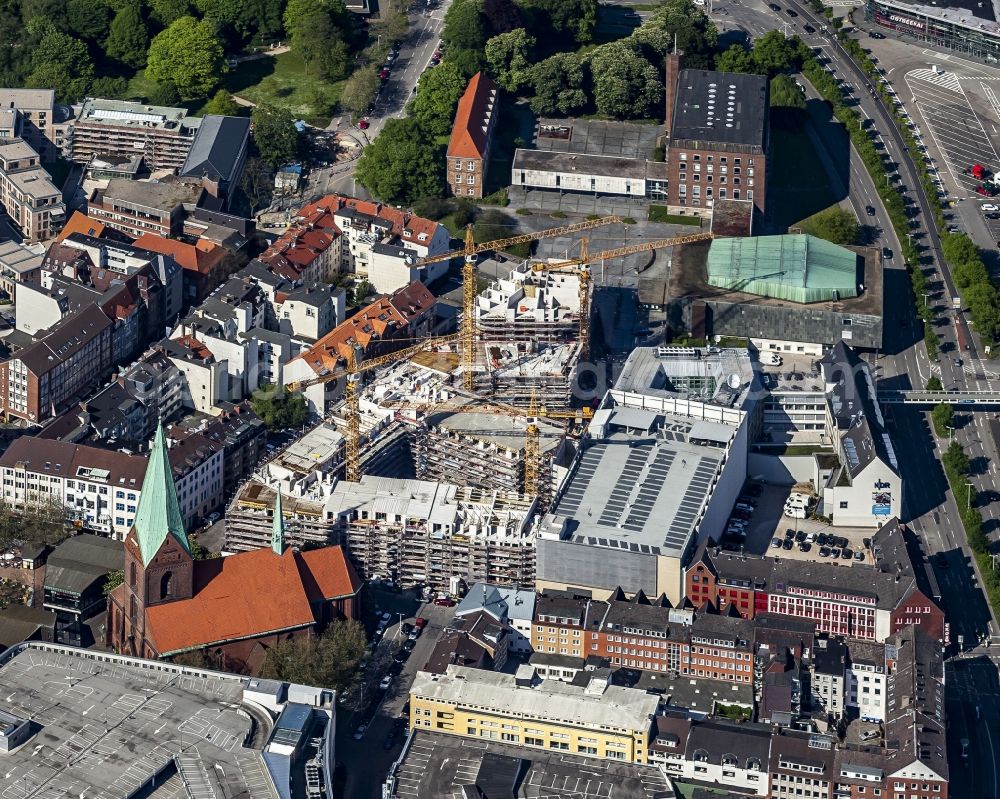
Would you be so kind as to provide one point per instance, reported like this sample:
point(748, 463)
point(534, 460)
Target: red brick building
point(859, 601)
point(230, 608)
point(471, 137)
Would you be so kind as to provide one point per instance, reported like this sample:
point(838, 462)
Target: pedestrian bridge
point(972, 399)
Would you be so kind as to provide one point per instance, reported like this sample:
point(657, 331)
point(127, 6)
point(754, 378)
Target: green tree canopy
point(509, 58)
point(943, 416)
point(736, 58)
point(955, 459)
point(329, 660)
point(167, 11)
point(402, 164)
point(464, 27)
point(189, 55)
point(696, 33)
point(320, 31)
point(222, 103)
point(279, 409)
point(438, 93)
point(773, 53)
point(833, 224)
point(361, 88)
point(245, 18)
point(626, 85)
point(558, 82)
point(554, 20)
point(501, 16)
point(61, 62)
point(128, 39)
point(275, 135)
point(88, 19)
point(785, 93)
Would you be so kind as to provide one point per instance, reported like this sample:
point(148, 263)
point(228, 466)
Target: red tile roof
point(378, 321)
point(201, 257)
point(250, 594)
point(468, 137)
point(81, 223)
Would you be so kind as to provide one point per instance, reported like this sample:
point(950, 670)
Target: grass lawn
point(140, 86)
point(791, 197)
point(659, 213)
point(282, 81)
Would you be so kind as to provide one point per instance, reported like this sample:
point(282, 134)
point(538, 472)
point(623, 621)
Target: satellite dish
point(734, 381)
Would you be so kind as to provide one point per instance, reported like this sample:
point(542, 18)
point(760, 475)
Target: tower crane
point(585, 259)
point(470, 251)
point(532, 450)
point(353, 372)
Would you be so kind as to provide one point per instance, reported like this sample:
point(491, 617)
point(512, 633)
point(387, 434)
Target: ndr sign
point(881, 498)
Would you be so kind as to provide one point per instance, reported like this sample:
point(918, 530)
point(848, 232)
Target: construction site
point(455, 448)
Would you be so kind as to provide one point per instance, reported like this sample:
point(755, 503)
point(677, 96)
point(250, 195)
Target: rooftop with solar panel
point(83, 723)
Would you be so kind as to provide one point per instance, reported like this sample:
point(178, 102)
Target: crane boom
point(587, 258)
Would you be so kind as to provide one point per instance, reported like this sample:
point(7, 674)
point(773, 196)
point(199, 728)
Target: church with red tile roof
point(233, 608)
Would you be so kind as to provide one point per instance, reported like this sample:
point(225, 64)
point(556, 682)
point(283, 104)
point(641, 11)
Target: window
point(843, 505)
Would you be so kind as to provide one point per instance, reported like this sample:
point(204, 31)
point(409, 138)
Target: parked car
point(876, 35)
point(445, 602)
point(805, 546)
point(800, 536)
point(408, 644)
point(776, 543)
point(385, 683)
point(774, 6)
point(824, 552)
point(846, 554)
point(384, 74)
point(989, 207)
point(787, 544)
point(859, 555)
point(359, 733)
point(364, 124)
point(419, 623)
point(386, 617)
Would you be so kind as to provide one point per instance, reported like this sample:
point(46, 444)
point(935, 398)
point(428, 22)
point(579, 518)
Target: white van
point(795, 511)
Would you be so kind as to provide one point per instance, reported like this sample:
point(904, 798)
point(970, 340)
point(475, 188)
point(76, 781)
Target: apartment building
point(563, 622)
point(35, 117)
point(202, 264)
point(124, 413)
point(44, 378)
point(310, 311)
point(472, 137)
point(206, 379)
point(163, 135)
point(99, 488)
point(508, 605)
point(19, 264)
point(829, 677)
point(242, 436)
point(868, 602)
point(598, 720)
point(30, 198)
point(387, 324)
point(718, 137)
point(801, 765)
point(137, 207)
point(865, 687)
point(198, 468)
point(530, 305)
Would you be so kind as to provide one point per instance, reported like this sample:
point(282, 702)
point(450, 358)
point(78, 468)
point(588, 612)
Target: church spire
point(278, 526)
point(159, 513)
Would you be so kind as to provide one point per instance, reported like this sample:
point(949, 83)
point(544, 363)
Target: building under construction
point(529, 305)
point(412, 531)
point(515, 372)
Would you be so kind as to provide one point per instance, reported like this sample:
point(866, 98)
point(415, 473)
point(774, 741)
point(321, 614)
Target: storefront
point(953, 28)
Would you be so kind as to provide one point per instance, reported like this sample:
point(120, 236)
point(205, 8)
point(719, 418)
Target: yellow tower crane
point(585, 259)
point(532, 448)
point(353, 372)
point(470, 251)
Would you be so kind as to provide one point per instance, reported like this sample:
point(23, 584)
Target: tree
point(275, 135)
point(785, 93)
point(12, 592)
point(166, 12)
point(625, 83)
point(735, 59)
point(934, 383)
point(279, 409)
point(773, 53)
point(164, 93)
point(402, 164)
point(329, 660)
point(223, 104)
point(189, 55)
point(438, 93)
point(88, 19)
point(463, 26)
point(362, 87)
point(244, 18)
point(467, 60)
point(508, 56)
point(834, 224)
point(955, 459)
point(115, 579)
point(42, 522)
point(558, 85)
point(322, 47)
point(61, 62)
point(111, 88)
point(128, 39)
point(695, 32)
point(943, 417)
point(554, 20)
point(257, 182)
point(501, 15)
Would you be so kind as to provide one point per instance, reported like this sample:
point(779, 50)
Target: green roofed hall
point(795, 268)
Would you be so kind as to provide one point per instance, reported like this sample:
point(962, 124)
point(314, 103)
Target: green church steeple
point(159, 513)
point(278, 526)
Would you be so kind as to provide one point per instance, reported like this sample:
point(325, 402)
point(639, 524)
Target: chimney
point(674, 65)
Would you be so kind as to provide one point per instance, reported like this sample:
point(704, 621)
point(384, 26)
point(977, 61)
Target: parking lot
point(767, 522)
point(948, 118)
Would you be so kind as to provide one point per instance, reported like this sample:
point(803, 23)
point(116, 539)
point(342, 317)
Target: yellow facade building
point(599, 720)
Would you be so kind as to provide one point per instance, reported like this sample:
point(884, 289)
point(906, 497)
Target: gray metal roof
point(79, 561)
point(217, 148)
point(720, 107)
